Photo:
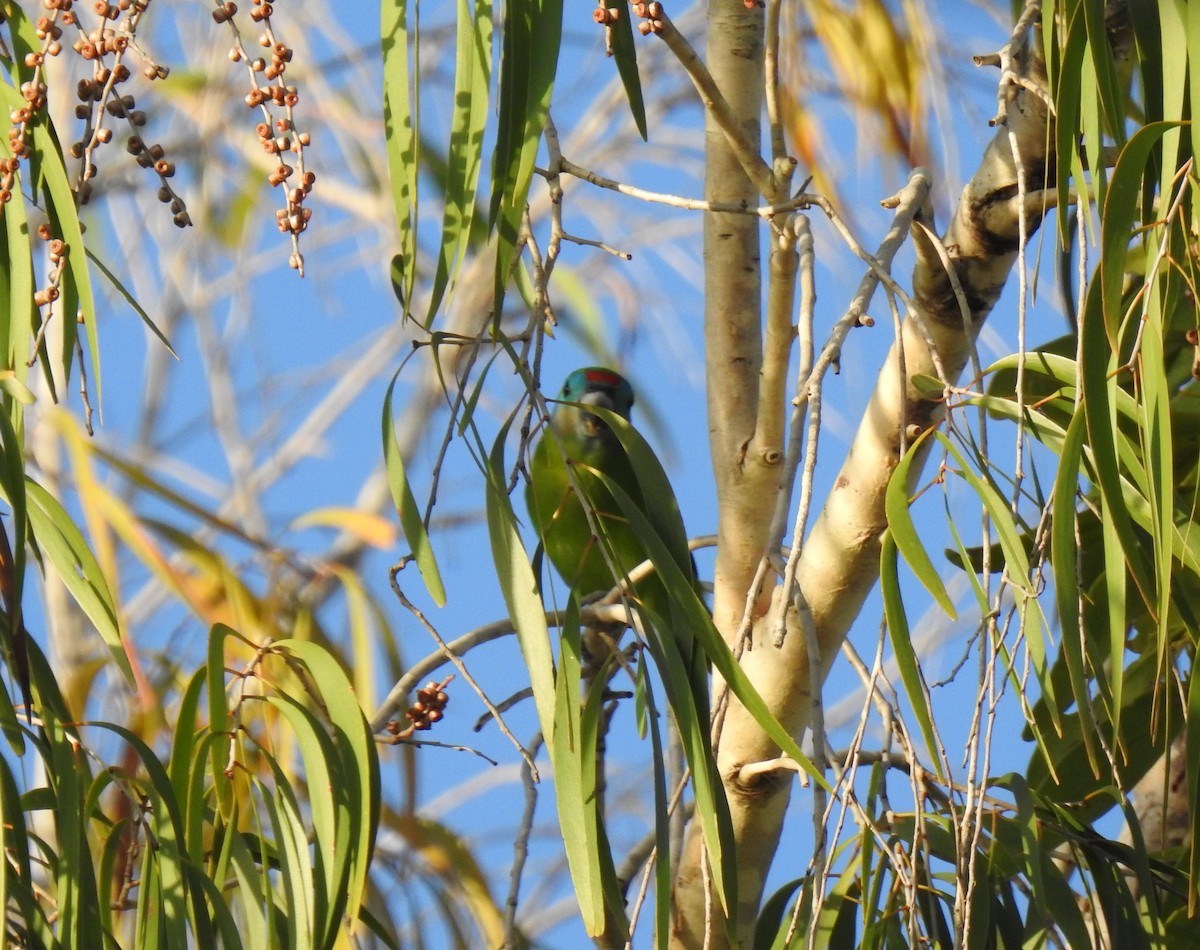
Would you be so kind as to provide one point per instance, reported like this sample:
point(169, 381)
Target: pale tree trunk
point(839, 562)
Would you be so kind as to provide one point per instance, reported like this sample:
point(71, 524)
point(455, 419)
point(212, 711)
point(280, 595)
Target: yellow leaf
point(366, 527)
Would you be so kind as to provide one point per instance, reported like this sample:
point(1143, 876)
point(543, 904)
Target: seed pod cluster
point(105, 36)
point(277, 132)
point(428, 708)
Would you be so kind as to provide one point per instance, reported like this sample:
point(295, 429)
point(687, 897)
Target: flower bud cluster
point(277, 132)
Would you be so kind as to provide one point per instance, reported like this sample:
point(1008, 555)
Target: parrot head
point(592, 386)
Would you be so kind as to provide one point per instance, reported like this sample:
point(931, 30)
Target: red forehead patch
point(603, 377)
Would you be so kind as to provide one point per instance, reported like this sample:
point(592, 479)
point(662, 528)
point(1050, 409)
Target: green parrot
point(576, 458)
point(589, 450)
point(583, 440)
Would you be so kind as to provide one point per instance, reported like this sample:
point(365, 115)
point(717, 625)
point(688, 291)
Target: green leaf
point(520, 589)
point(928, 386)
point(528, 63)
point(132, 301)
point(472, 78)
point(624, 51)
point(902, 648)
point(401, 130)
point(1192, 752)
point(1052, 896)
point(904, 532)
point(16, 275)
point(1064, 554)
point(1119, 220)
point(295, 877)
point(182, 760)
point(78, 915)
point(1015, 558)
point(662, 818)
point(1059, 768)
point(406, 505)
point(177, 903)
point(323, 893)
point(574, 781)
point(1192, 54)
point(253, 894)
point(1108, 83)
point(220, 721)
point(356, 769)
point(1067, 107)
point(77, 283)
point(75, 564)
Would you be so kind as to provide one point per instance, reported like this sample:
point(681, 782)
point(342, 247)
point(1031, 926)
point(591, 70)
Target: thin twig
point(521, 848)
point(594, 615)
point(715, 103)
point(462, 669)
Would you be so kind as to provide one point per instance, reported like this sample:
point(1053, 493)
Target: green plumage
point(594, 545)
point(584, 442)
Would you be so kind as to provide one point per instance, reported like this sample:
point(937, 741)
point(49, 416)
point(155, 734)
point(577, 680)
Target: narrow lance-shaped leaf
point(1193, 789)
point(1122, 547)
point(329, 810)
point(904, 532)
point(220, 720)
point(403, 142)
point(406, 505)
point(520, 589)
point(179, 902)
point(1016, 569)
point(49, 175)
point(132, 301)
point(902, 648)
point(1066, 100)
point(529, 61)
point(358, 761)
point(472, 78)
point(67, 550)
point(578, 818)
point(1193, 73)
point(1154, 396)
point(662, 819)
point(1064, 555)
point(1120, 219)
point(16, 269)
point(295, 872)
point(1171, 44)
point(624, 51)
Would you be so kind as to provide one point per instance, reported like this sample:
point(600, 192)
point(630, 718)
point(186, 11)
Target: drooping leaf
point(472, 77)
point(406, 505)
point(528, 64)
point(902, 648)
point(904, 531)
point(624, 51)
point(401, 93)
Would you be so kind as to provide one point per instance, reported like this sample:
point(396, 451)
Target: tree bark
point(840, 560)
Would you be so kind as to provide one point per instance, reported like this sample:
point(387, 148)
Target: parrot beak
point(594, 426)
